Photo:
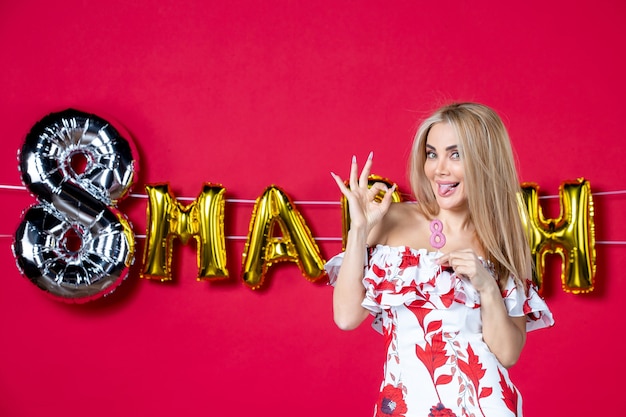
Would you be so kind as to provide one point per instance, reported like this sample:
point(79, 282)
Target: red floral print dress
point(437, 362)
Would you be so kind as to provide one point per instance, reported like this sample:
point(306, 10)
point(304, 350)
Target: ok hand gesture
point(365, 210)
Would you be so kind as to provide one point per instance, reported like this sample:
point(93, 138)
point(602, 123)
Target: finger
point(470, 266)
point(454, 261)
point(389, 193)
point(340, 183)
point(444, 259)
point(377, 188)
point(463, 255)
point(387, 199)
point(363, 179)
point(461, 270)
point(354, 172)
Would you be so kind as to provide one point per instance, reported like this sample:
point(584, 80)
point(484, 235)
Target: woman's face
point(444, 167)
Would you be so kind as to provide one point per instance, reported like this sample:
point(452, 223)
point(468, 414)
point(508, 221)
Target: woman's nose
point(442, 166)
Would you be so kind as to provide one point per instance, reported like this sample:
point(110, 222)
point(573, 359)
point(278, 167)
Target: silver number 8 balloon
point(75, 244)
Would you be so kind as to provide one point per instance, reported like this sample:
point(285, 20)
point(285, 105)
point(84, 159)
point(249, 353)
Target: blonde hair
point(491, 184)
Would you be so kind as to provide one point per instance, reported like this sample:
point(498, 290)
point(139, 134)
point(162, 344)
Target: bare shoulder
point(397, 224)
point(399, 212)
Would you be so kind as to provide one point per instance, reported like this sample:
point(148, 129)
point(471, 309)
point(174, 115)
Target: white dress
point(437, 362)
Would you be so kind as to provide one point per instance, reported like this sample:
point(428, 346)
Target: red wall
point(249, 94)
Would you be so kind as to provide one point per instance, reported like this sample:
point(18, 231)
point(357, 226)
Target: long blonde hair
point(491, 184)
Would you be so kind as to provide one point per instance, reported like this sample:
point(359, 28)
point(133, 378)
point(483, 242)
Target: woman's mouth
point(446, 189)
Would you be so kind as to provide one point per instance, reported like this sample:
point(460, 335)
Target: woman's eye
point(430, 155)
point(455, 155)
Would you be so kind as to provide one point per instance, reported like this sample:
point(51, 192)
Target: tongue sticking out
point(447, 189)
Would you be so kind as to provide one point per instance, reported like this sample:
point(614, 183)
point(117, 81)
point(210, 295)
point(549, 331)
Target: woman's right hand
point(365, 210)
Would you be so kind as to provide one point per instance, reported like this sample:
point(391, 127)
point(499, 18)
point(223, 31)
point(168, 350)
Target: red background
point(254, 93)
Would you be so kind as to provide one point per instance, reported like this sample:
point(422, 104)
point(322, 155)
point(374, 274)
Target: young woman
point(448, 278)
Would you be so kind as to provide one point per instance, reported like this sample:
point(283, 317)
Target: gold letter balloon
point(371, 180)
point(571, 235)
point(168, 219)
point(75, 244)
point(274, 208)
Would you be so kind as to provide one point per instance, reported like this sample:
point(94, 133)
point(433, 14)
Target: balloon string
point(228, 200)
point(336, 239)
point(311, 202)
point(596, 193)
point(247, 201)
point(246, 237)
point(4, 236)
point(302, 202)
point(13, 187)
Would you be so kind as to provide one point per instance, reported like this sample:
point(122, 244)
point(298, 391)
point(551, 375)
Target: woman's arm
point(349, 290)
point(365, 214)
point(504, 335)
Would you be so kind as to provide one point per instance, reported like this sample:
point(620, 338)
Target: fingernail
point(353, 158)
point(371, 155)
point(333, 174)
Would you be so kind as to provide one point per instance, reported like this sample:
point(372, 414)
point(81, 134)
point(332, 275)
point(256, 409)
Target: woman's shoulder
point(404, 213)
point(403, 207)
point(400, 219)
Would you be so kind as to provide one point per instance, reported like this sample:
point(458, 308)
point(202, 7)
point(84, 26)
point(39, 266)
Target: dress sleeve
point(333, 264)
point(530, 304)
point(332, 268)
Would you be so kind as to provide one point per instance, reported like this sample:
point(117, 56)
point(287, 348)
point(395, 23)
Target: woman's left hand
point(467, 264)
